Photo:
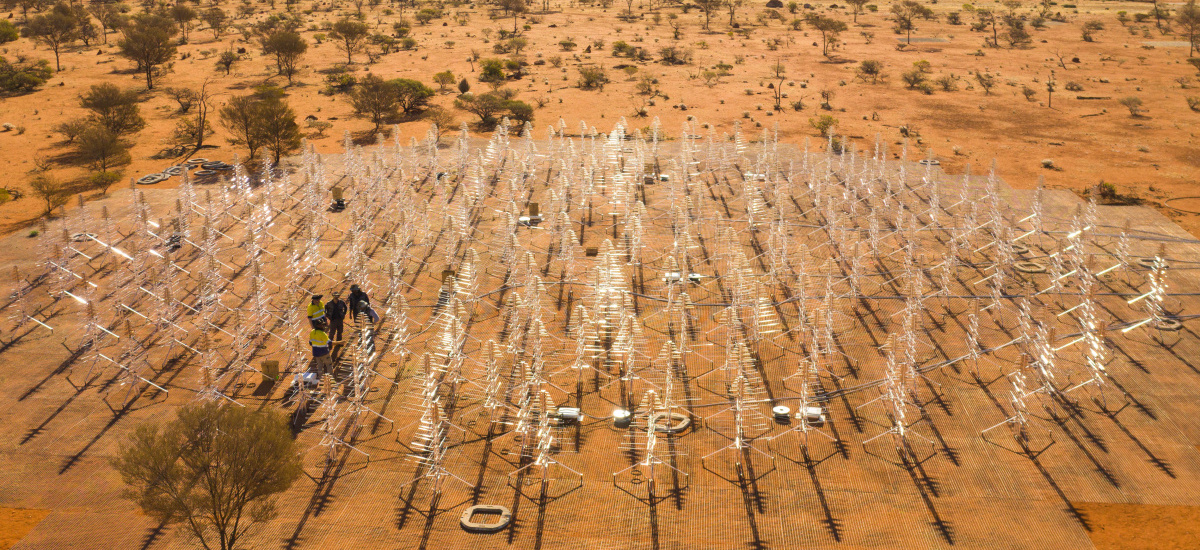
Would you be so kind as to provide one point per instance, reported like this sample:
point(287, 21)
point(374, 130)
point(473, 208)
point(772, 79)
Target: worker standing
point(335, 312)
point(320, 342)
point(316, 311)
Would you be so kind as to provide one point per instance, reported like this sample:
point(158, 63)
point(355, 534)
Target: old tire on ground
point(150, 179)
point(204, 176)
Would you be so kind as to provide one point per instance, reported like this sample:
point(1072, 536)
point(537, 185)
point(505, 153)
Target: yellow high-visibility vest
point(318, 338)
point(316, 312)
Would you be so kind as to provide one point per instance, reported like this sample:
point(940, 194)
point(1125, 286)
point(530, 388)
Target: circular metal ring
point(468, 524)
point(1149, 263)
point(1029, 267)
point(681, 422)
point(1168, 324)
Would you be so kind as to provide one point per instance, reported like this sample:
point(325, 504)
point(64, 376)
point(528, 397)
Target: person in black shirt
point(360, 304)
point(335, 313)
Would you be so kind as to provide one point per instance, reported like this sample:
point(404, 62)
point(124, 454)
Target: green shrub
point(592, 78)
point(8, 32)
point(23, 77)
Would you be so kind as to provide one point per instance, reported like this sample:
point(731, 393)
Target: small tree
point(215, 469)
point(113, 108)
point(870, 69)
point(217, 21)
point(376, 100)
point(824, 124)
point(708, 7)
point(514, 8)
point(102, 148)
point(109, 16)
point(464, 86)
point(829, 29)
point(147, 42)
point(277, 122)
point(1188, 19)
point(183, 15)
point(351, 36)
point(914, 78)
point(1134, 104)
point(519, 111)
point(49, 190)
point(444, 80)
point(779, 72)
point(1162, 17)
point(516, 44)
point(71, 129)
point(985, 19)
point(240, 118)
point(411, 95)
point(1089, 29)
point(906, 14)
point(55, 30)
point(226, 61)
point(484, 106)
point(191, 131)
point(440, 118)
point(1015, 33)
point(491, 72)
point(857, 6)
point(104, 180)
point(592, 77)
point(288, 47)
point(986, 81)
point(262, 120)
point(184, 97)
point(25, 6)
point(732, 6)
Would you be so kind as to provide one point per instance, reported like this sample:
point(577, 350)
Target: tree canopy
point(55, 29)
point(215, 468)
point(262, 120)
point(147, 41)
point(288, 47)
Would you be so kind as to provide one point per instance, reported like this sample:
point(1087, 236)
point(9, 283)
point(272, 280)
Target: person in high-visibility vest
point(316, 311)
point(321, 344)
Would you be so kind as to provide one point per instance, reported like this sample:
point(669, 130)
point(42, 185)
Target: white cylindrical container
point(569, 415)
point(622, 418)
